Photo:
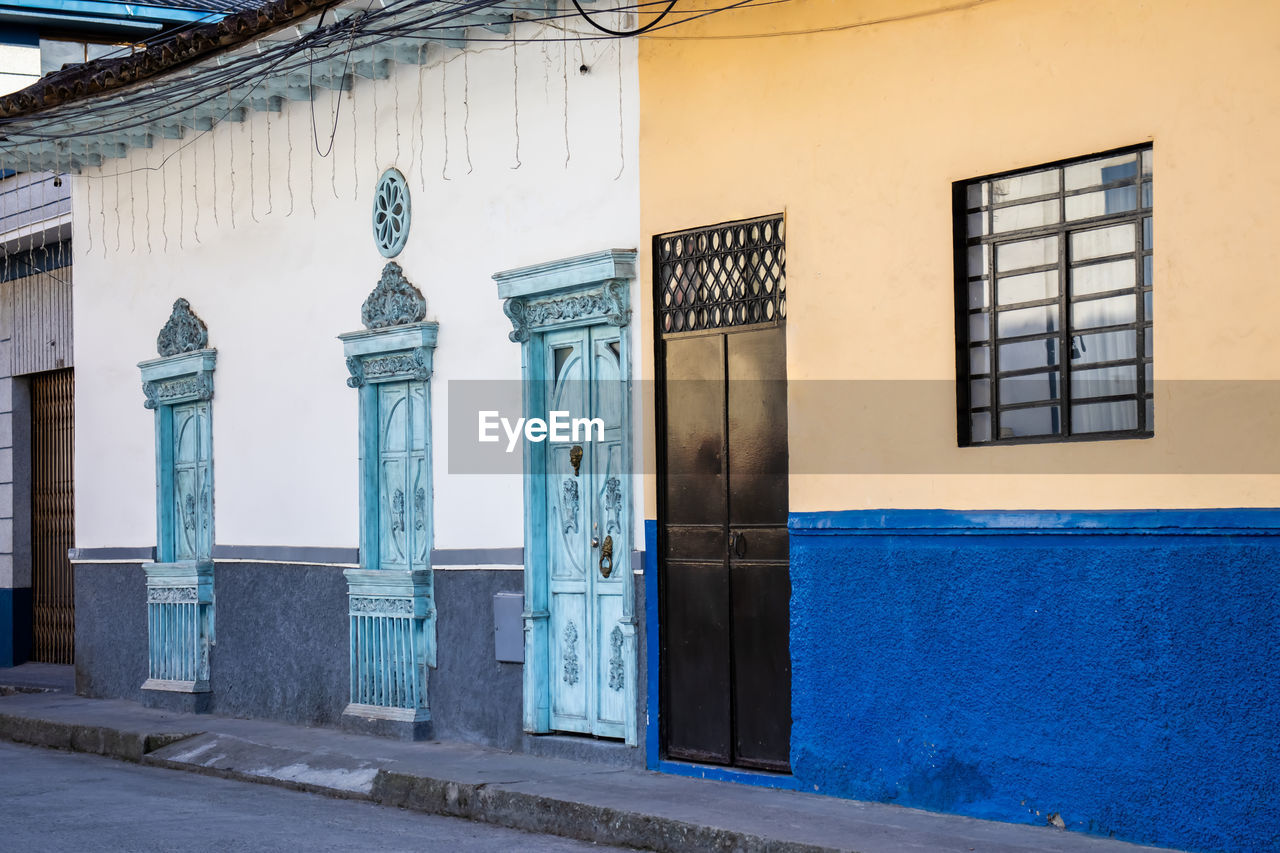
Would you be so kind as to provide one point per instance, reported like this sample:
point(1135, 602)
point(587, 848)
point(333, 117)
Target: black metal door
point(724, 585)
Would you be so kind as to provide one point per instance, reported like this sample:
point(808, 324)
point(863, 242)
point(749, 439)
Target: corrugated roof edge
point(184, 48)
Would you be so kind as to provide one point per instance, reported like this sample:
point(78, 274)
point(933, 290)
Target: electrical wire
point(63, 132)
point(624, 33)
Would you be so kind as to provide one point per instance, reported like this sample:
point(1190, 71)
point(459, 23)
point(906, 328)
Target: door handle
point(738, 543)
point(606, 557)
point(575, 457)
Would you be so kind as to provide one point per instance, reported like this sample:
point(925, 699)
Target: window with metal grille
point(732, 274)
point(1053, 301)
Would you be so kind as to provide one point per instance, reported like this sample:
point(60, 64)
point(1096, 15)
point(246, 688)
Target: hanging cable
point(624, 33)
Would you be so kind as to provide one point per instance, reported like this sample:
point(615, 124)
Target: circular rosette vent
point(391, 213)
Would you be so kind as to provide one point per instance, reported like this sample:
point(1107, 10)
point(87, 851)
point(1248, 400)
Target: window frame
point(1142, 325)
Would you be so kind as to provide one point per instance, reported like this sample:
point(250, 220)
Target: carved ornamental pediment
point(393, 302)
point(184, 370)
point(184, 331)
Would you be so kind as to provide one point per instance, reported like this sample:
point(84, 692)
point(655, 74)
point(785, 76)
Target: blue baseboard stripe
point(15, 625)
point(729, 774)
point(935, 522)
point(651, 734)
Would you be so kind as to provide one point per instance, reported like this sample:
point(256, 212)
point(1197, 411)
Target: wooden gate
point(52, 515)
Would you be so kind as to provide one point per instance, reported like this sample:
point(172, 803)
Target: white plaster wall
point(213, 225)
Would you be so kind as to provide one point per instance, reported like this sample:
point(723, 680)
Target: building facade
point(37, 601)
point(774, 397)
point(293, 427)
point(1031, 510)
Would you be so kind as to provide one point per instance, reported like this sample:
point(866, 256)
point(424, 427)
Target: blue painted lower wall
point(1119, 670)
point(15, 625)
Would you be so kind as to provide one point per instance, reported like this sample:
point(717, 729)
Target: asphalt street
point(66, 801)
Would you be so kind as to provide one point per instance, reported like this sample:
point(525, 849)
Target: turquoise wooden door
point(588, 535)
point(404, 486)
point(192, 529)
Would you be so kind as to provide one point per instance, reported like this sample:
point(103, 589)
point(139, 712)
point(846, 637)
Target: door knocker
point(606, 557)
point(575, 457)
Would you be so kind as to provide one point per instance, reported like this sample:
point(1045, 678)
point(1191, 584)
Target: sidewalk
point(585, 801)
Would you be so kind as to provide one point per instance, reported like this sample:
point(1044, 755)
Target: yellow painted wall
point(858, 130)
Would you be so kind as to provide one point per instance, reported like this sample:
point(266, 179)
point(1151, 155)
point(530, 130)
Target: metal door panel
point(695, 431)
point(761, 664)
point(697, 661)
point(757, 371)
point(696, 599)
point(725, 582)
point(757, 416)
point(695, 542)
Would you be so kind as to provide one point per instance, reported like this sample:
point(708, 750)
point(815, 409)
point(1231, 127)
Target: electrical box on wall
point(508, 627)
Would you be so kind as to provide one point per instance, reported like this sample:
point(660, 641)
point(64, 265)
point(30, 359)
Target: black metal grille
point(732, 274)
point(1054, 301)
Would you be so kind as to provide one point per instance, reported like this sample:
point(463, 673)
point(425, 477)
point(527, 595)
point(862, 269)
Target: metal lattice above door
point(733, 274)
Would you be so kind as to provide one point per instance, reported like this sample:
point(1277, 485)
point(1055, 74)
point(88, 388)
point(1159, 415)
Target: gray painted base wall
point(280, 630)
point(111, 630)
point(281, 652)
point(473, 697)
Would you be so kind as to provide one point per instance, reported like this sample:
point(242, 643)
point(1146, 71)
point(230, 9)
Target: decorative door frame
point(180, 605)
point(391, 611)
point(575, 292)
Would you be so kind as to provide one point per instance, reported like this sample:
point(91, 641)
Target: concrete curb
point(95, 740)
point(482, 802)
point(553, 797)
point(489, 803)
